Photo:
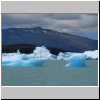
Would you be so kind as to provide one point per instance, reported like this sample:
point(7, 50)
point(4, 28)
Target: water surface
point(51, 73)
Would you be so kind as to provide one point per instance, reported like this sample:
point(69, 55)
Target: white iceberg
point(42, 52)
point(60, 56)
point(91, 54)
point(64, 56)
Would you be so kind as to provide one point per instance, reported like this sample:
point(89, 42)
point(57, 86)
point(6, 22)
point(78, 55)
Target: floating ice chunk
point(11, 57)
point(35, 62)
point(60, 56)
point(91, 54)
point(42, 52)
point(76, 60)
point(22, 63)
point(63, 56)
point(18, 59)
point(22, 60)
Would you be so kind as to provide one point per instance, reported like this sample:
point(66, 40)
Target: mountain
point(51, 39)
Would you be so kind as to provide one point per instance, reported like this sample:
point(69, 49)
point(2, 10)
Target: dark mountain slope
point(49, 38)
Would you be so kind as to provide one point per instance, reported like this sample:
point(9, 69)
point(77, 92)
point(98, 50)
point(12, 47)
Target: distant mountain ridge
point(38, 36)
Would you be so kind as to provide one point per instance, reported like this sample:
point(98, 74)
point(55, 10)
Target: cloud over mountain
point(77, 24)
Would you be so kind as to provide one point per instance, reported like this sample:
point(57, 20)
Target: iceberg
point(60, 56)
point(37, 58)
point(76, 60)
point(63, 56)
point(41, 54)
point(91, 54)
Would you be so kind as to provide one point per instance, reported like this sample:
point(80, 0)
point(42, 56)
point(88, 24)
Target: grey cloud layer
point(79, 24)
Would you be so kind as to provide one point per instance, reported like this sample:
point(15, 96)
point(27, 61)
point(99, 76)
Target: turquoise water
point(51, 73)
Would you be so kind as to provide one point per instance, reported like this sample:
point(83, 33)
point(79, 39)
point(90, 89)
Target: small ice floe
point(76, 60)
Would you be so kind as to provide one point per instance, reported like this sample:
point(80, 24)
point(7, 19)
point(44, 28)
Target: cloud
point(78, 24)
point(64, 16)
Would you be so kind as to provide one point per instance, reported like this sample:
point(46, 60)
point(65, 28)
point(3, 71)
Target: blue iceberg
point(76, 60)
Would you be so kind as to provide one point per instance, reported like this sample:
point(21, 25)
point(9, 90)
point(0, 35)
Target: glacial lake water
point(51, 73)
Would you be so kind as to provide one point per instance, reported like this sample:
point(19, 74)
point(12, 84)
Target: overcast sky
point(77, 24)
